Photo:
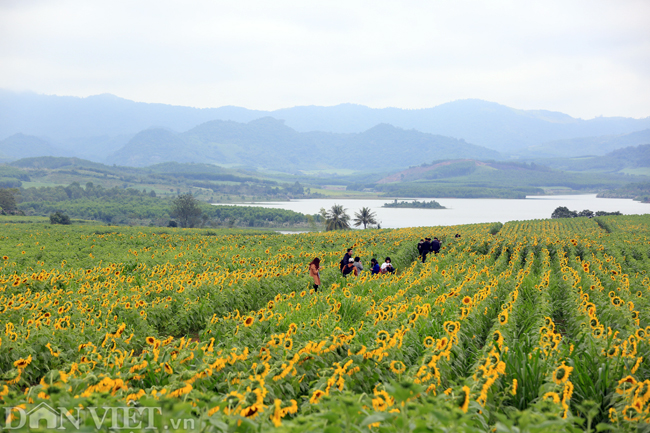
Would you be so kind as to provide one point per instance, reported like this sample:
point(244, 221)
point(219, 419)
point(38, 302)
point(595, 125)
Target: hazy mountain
point(634, 156)
point(268, 143)
point(628, 158)
point(24, 146)
point(59, 119)
point(586, 145)
point(93, 148)
point(153, 146)
point(483, 123)
point(63, 117)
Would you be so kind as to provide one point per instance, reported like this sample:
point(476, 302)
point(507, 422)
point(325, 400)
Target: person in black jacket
point(426, 249)
point(350, 269)
point(435, 245)
point(346, 259)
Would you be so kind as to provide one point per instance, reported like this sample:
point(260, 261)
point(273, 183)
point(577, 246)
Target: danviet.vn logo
point(44, 416)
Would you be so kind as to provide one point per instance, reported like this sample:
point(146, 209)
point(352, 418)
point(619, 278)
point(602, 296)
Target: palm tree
point(365, 216)
point(337, 219)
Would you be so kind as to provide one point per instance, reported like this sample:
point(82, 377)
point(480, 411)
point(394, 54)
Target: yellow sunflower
point(397, 367)
point(553, 396)
point(316, 396)
point(561, 374)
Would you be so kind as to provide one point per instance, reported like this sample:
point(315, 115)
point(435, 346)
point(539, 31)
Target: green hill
point(269, 144)
point(631, 160)
point(24, 146)
point(473, 178)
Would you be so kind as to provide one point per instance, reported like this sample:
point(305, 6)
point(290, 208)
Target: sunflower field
point(543, 326)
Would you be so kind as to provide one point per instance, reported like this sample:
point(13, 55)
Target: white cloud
point(585, 58)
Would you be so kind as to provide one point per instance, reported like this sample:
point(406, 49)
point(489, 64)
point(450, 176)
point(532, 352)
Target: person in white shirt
point(387, 266)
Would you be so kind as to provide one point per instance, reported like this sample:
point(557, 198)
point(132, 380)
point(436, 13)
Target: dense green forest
point(134, 207)
point(167, 179)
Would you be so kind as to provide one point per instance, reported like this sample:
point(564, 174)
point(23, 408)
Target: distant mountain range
point(270, 144)
point(96, 126)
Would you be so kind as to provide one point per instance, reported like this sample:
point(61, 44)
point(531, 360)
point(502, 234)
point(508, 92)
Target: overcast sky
point(583, 58)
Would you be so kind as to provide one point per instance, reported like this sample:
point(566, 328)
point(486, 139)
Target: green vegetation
point(426, 189)
point(364, 217)
point(637, 191)
point(495, 228)
point(133, 207)
point(336, 218)
point(59, 218)
point(564, 212)
point(169, 179)
point(619, 160)
point(60, 180)
point(479, 179)
point(186, 209)
point(8, 200)
point(415, 204)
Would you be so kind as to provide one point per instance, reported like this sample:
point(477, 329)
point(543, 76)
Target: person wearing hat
point(350, 268)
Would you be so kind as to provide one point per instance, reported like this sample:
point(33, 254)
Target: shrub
point(59, 218)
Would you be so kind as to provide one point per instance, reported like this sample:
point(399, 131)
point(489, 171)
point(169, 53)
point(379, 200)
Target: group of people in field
point(350, 265)
point(428, 246)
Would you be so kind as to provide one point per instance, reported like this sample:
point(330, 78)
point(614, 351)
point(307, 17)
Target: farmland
point(543, 326)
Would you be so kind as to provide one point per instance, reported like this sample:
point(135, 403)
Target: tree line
point(135, 207)
point(564, 212)
point(336, 218)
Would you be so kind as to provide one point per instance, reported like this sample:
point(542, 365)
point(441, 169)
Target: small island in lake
point(416, 204)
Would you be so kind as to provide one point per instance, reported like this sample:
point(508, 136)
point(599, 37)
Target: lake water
point(467, 210)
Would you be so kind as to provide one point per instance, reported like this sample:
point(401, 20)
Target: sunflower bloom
point(561, 374)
